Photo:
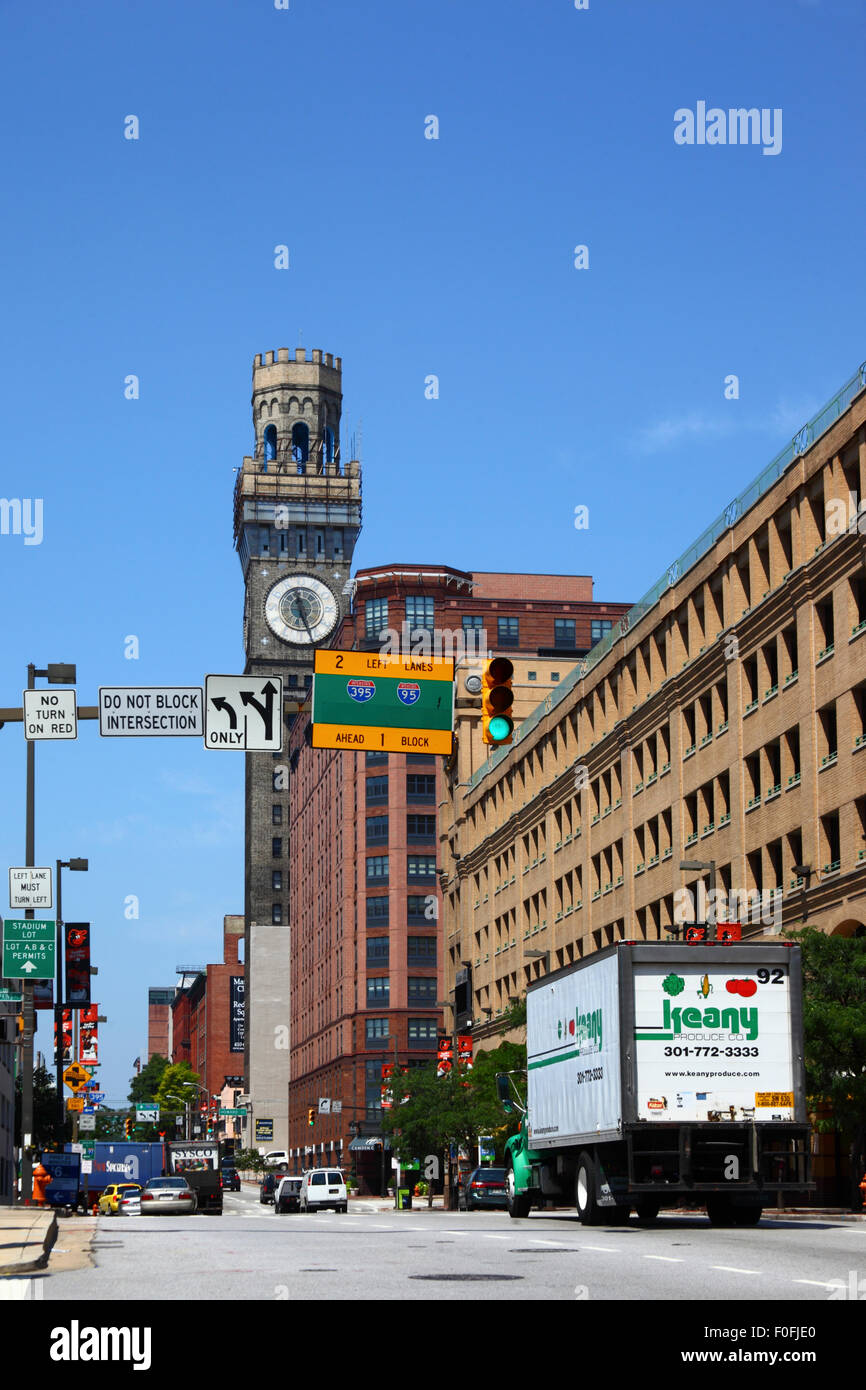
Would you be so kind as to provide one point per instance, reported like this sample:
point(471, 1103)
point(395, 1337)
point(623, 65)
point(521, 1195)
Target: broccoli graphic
point(673, 984)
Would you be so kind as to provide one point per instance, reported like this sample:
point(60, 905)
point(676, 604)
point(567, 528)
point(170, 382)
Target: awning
point(373, 1141)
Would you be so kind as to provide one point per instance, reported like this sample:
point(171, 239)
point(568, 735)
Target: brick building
point(724, 719)
point(159, 1002)
point(366, 956)
point(208, 1021)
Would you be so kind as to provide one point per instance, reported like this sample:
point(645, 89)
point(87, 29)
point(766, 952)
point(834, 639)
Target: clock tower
point(297, 515)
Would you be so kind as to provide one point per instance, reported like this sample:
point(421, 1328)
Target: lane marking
point(488, 1236)
point(733, 1269)
point(821, 1283)
point(536, 1240)
point(668, 1259)
point(606, 1249)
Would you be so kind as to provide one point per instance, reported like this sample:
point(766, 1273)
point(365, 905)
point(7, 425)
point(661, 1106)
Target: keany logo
point(77, 1343)
point(738, 126)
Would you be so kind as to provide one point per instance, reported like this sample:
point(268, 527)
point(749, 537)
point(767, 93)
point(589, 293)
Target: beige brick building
point(723, 720)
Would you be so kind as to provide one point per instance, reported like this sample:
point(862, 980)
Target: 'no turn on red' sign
point(50, 714)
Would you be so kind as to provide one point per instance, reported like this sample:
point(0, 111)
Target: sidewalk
point(27, 1235)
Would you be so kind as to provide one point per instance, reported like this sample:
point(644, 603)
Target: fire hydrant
point(863, 1190)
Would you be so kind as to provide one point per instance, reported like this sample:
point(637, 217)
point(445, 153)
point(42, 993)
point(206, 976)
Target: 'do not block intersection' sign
point(365, 701)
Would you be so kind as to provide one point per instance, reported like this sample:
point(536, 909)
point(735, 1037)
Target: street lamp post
point(80, 865)
point(697, 865)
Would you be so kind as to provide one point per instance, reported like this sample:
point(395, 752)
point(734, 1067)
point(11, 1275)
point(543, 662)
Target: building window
point(375, 617)
point(420, 786)
point(563, 632)
point(420, 828)
point(377, 790)
point(508, 631)
point(422, 990)
point(377, 868)
point(376, 1028)
point(276, 815)
point(419, 612)
point(270, 443)
point(276, 913)
point(373, 1090)
point(377, 830)
point(377, 912)
point(300, 444)
point(377, 952)
point(277, 847)
point(277, 880)
point(420, 866)
point(420, 757)
point(421, 950)
point(378, 991)
point(302, 543)
point(328, 444)
point(421, 909)
point(423, 1032)
point(472, 621)
point(599, 628)
point(532, 675)
point(371, 759)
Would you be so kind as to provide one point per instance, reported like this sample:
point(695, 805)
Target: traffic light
point(311, 1116)
point(127, 1126)
point(497, 726)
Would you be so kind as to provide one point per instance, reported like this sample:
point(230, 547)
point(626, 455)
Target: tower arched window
point(328, 444)
point(301, 445)
point(270, 443)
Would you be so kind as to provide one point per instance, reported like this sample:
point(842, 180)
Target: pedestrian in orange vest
point(41, 1179)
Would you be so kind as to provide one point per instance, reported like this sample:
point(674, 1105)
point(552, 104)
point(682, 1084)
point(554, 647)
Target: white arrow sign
point(244, 713)
point(27, 967)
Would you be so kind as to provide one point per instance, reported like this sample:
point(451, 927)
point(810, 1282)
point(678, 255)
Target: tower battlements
point(282, 356)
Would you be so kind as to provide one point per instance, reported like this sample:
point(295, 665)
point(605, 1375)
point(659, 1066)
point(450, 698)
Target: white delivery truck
point(662, 1073)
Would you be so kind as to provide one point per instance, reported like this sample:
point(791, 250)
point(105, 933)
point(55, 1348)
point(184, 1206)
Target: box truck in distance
point(660, 1074)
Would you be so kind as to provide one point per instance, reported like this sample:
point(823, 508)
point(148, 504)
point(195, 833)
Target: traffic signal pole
point(26, 1188)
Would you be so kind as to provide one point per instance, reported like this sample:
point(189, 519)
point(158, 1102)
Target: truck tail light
point(657, 1171)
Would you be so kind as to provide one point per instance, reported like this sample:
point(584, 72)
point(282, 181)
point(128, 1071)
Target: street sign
point(75, 1103)
point(147, 1113)
point(28, 949)
point(244, 713)
point(324, 1105)
point(76, 1078)
point(169, 710)
point(87, 1165)
point(233, 1110)
point(50, 714)
point(86, 1147)
point(363, 700)
point(10, 996)
point(86, 1121)
point(30, 888)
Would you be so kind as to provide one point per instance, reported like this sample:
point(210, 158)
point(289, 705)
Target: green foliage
point(110, 1124)
point(249, 1161)
point(145, 1086)
point(430, 1112)
point(47, 1129)
point(514, 1016)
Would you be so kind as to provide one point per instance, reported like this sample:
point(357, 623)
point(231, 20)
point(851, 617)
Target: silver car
point(167, 1197)
point(130, 1205)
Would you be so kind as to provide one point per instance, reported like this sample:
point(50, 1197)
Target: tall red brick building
point(208, 1021)
point(366, 953)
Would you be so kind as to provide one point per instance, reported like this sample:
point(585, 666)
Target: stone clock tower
point(297, 515)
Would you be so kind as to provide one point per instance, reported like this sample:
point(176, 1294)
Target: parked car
point(230, 1177)
point(482, 1190)
point(322, 1188)
point(109, 1202)
point(130, 1205)
point(171, 1196)
point(276, 1156)
point(288, 1195)
point(267, 1187)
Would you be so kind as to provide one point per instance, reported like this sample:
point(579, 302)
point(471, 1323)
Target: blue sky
point(409, 257)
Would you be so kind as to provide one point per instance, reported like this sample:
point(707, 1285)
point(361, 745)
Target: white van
point(322, 1188)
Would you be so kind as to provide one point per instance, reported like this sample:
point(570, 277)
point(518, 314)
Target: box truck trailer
point(660, 1074)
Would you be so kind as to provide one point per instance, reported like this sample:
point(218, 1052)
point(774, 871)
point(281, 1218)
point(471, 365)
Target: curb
point(32, 1266)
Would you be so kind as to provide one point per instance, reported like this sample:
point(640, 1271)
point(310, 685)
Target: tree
point(834, 1024)
point(110, 1124)
point(177, 1088)
point(145, 1086)
point(47, 1129)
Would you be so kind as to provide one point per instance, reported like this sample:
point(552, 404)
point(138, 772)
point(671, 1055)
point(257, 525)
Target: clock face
point(301, 610)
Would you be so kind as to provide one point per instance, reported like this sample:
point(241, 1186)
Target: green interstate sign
point(365, 701)
point(28, 949)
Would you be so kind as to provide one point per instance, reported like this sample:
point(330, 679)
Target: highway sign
point(148, 1113)
point(50, 714)
point(96, 1096)
point(76, 1078)
point(28, 949)
point(365, 701)
point(172, 710)
point(75, 1103)
point(244, 713)
point(30, 888)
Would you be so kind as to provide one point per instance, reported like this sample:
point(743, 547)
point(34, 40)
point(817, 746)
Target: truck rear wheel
point(748, 1216)
point(519, 1203)
point(720, 1211)
point(647, 1209)
point(585, 1192)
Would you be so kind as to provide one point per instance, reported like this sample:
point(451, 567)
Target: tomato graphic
point(744, 987)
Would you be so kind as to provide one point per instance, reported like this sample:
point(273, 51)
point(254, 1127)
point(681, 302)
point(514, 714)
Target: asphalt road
point(251, 1254)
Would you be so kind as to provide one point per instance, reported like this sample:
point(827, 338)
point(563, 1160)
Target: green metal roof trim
point(803, 440)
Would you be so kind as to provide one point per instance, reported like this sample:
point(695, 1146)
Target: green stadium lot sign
point(28, 949)
point(365, 701)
